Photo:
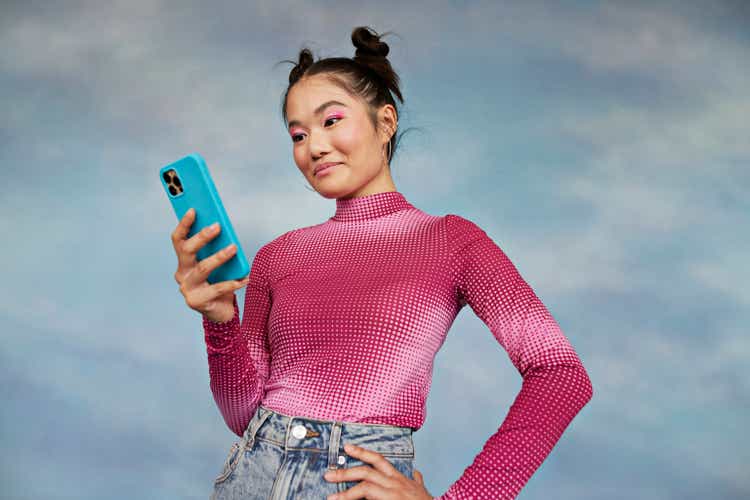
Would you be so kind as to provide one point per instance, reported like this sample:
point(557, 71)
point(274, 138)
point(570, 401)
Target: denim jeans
point(281, 457)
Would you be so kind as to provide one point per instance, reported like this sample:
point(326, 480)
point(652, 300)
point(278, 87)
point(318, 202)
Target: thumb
point(418, 477)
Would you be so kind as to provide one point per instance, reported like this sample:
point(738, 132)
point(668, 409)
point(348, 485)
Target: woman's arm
point(238, 354)
point(555, 384)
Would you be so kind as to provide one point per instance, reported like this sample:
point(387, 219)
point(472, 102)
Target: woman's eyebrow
point(318, 110)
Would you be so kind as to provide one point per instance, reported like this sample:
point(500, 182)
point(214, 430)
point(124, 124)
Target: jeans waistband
point(303, 434)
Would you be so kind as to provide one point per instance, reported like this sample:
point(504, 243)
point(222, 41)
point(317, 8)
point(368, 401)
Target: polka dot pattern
point(343, 319)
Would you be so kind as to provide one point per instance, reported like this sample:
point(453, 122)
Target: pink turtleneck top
point(343, 319)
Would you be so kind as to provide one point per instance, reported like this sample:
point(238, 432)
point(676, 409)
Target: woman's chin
point(333, 186)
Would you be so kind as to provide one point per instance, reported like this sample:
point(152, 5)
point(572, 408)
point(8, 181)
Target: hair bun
point(305, 61)
point(368, 43)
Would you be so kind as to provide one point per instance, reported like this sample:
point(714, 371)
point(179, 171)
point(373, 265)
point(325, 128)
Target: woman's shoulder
point(461, 230)
point(275, 246)
point(279, 240)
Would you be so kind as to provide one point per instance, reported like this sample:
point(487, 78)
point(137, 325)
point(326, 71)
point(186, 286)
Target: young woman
point(343, 319)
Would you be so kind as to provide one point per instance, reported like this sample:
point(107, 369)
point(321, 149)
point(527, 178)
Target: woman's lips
point(327, 169)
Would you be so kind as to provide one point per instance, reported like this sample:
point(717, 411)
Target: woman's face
point(341, 132)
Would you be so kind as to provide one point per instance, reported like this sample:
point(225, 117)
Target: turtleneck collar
point(370, 206)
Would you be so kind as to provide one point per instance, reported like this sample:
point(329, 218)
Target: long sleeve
point(238, 354)
point(555, 384)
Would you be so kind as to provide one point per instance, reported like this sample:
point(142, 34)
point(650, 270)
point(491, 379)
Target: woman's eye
point(332, 118)
point(296, 136)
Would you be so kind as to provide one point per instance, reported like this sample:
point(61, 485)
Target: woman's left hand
point(383, 482)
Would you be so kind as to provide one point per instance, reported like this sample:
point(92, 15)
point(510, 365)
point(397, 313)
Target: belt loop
point(333, 447)
point(286, 434)
point(248, 437)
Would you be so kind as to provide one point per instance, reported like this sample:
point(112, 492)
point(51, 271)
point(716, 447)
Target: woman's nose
point(318, 146)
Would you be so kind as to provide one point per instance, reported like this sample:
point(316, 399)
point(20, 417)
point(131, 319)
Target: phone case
point(188, 184)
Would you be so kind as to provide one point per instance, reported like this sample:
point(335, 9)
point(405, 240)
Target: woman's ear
point(388, 122)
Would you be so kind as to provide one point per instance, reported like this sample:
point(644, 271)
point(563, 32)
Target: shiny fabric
point(343, 320)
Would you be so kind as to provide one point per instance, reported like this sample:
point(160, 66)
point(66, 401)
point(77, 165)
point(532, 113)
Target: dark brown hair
point(367, 76)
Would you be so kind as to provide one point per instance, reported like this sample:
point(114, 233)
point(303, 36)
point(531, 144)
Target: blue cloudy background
point(604, 146)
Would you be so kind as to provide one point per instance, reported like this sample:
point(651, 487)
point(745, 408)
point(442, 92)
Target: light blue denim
point(281, 457)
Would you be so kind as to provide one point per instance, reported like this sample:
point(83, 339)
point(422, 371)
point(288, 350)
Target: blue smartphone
point(188, 184)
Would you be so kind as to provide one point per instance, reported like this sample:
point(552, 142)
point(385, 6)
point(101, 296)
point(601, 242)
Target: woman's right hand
point(215, 301)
